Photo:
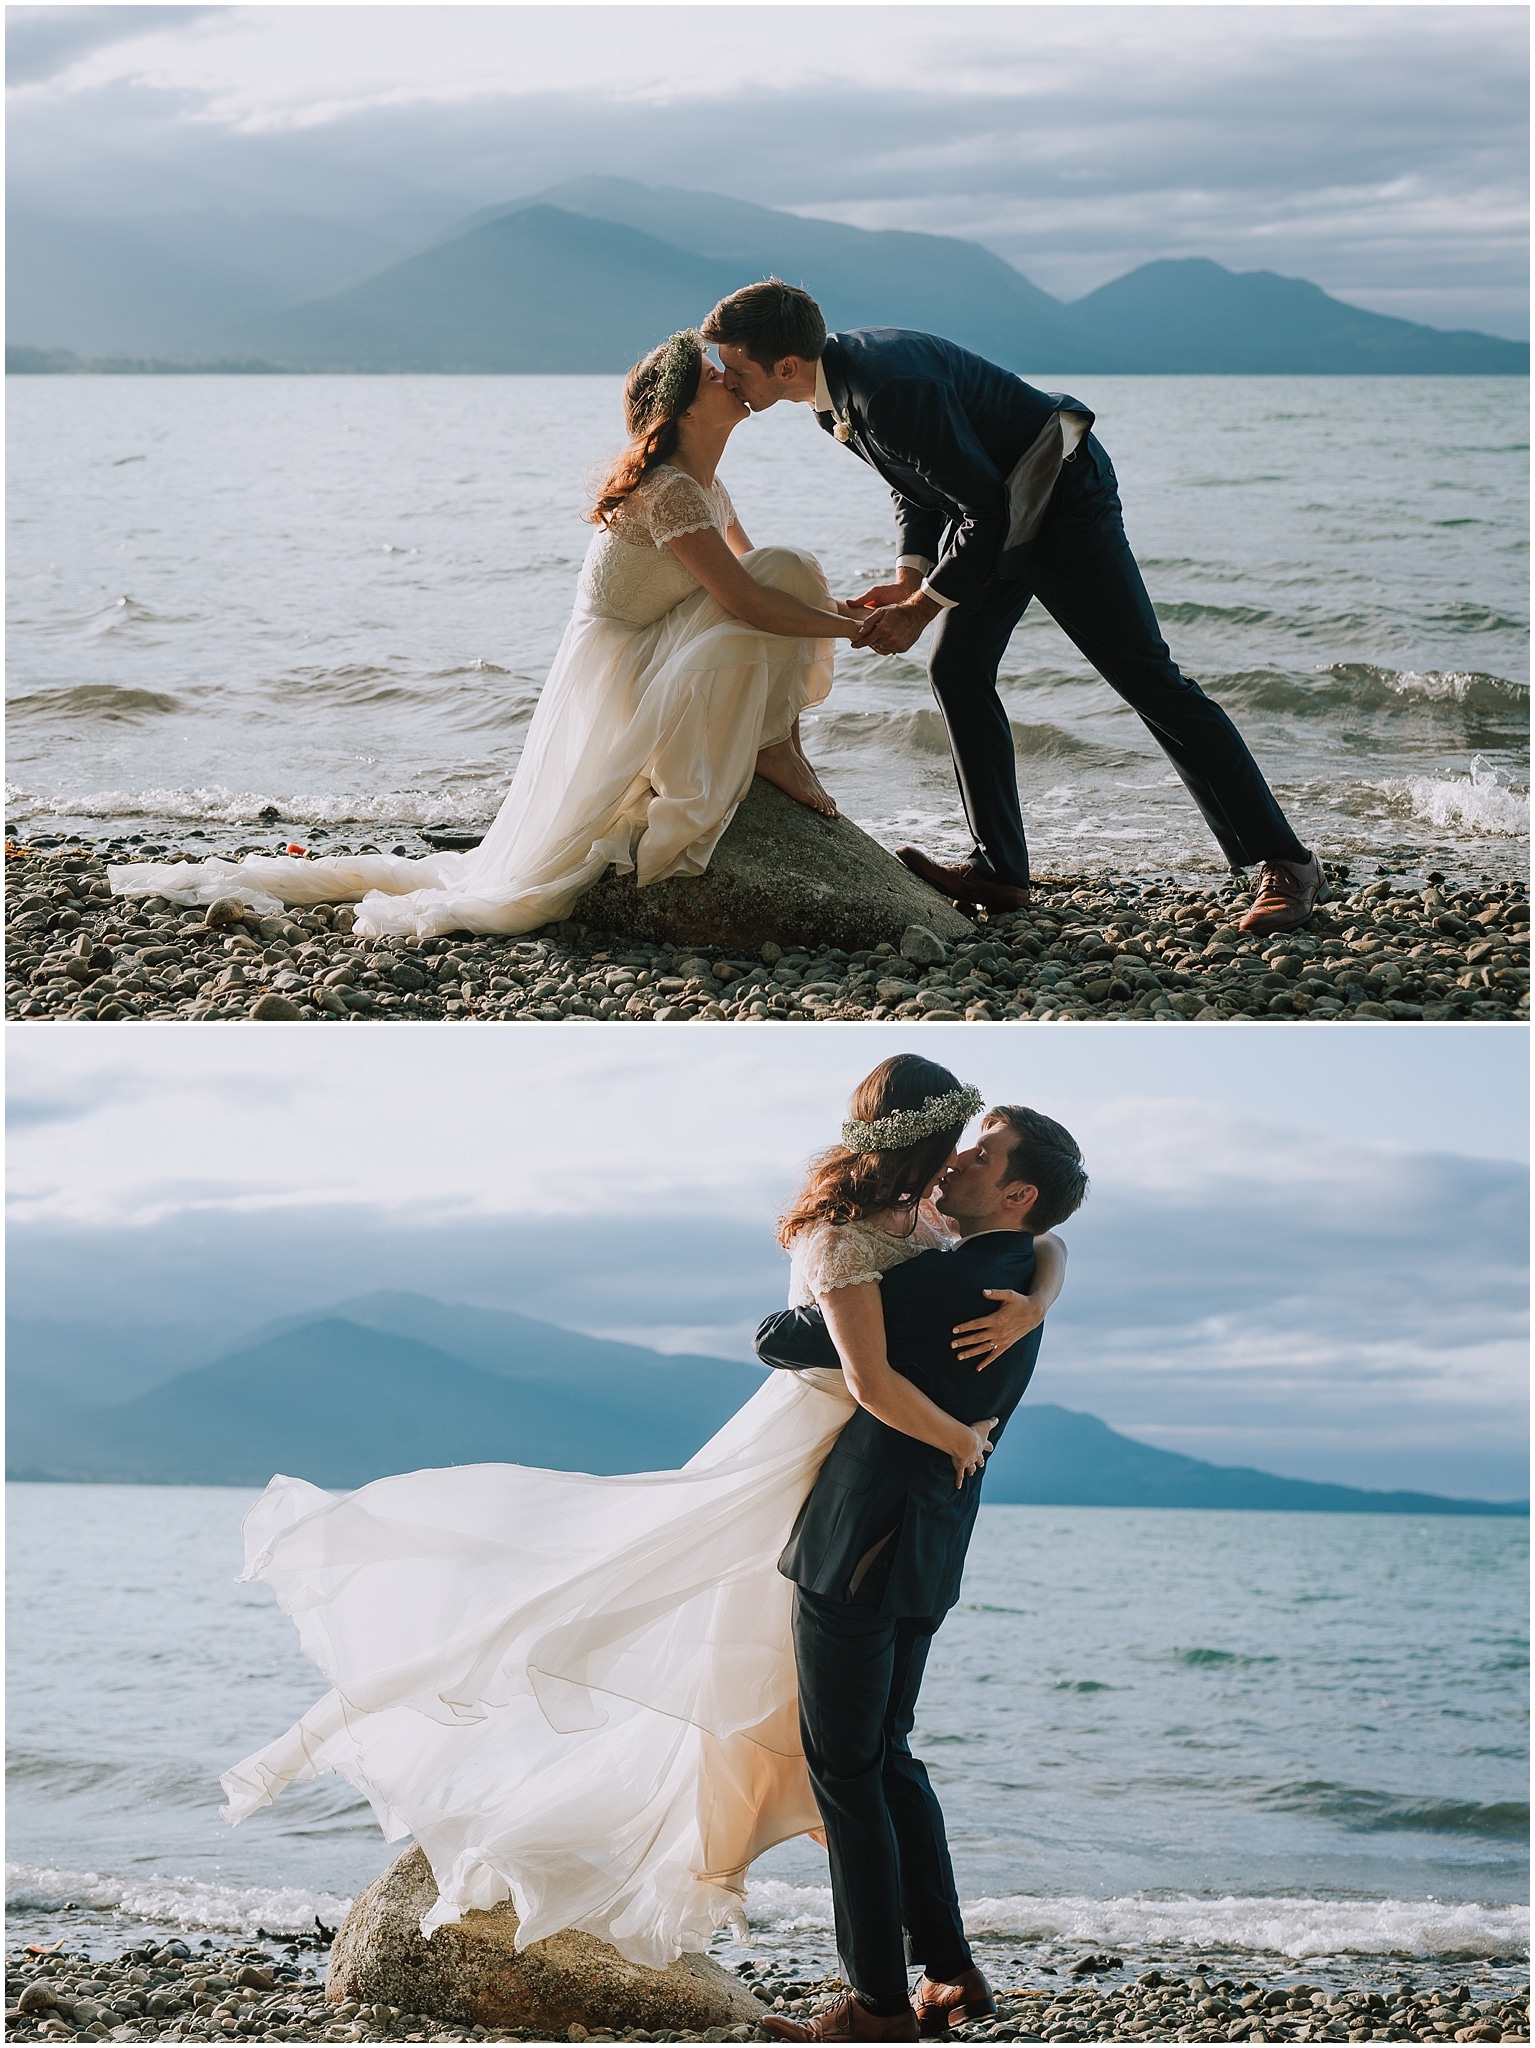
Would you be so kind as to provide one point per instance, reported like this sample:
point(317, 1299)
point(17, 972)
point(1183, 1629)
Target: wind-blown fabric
point(574, 1691)
point(641, 747)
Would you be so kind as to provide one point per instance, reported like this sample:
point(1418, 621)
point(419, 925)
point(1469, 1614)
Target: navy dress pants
point(1082, 571)
point(859, 1675)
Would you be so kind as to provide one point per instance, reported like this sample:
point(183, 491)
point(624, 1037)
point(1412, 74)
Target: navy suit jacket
point(943, 427)
point(874, 1478)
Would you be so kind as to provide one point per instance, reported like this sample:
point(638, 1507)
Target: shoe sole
point(963, 900)
point(934, 2022)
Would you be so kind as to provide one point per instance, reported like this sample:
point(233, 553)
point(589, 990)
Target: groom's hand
point(907, 582)
point(885, 593)
point(895, 627)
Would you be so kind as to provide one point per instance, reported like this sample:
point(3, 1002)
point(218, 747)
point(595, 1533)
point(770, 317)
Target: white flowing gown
point(641, 746)
point(577, 1692)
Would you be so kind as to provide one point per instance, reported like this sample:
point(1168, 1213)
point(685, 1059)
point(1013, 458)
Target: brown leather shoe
point(1287, 893)
point(964, 882)
point(846, 2020)
point(955, 1999)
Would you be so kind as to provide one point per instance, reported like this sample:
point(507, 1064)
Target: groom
point(1003, 495)
point(876, 1556)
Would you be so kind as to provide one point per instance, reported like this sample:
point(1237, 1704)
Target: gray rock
point(472, 1972)
point(781, 873)
point(224, 910)
point(921, 945)
point(275, 1009)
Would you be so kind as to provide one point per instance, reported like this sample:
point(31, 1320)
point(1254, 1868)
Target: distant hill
point(340, 1402)
point(1192, 315)
point(1055, 1457)
point(532, 291)
point(392, 1382)
point(588, 274)
point(861, 277)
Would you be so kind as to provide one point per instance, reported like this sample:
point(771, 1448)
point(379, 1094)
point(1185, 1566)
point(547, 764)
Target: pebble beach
point(269, 1993)
point(1384, 945)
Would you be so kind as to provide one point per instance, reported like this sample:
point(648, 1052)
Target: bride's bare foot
point(787, 769)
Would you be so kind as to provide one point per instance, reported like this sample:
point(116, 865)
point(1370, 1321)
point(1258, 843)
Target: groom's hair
point(770, 320)
point(1046, 1156)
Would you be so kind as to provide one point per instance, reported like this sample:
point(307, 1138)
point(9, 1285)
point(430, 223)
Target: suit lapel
point(843, 410)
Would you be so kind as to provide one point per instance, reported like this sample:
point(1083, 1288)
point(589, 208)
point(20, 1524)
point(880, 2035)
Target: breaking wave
point(173, 1901)
point(1483, 802)
point(1267, 1926)
point(218, 806)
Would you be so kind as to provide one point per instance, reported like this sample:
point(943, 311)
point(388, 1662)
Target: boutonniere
point(843, 431)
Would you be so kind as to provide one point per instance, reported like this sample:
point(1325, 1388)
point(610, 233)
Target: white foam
point(1288, 1927)
point(220, 806)
point(174, 1901)
point(1454, 685)
point(1482, 802)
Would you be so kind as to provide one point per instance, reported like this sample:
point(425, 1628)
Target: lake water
point(1295, 1741)
point(339, 596)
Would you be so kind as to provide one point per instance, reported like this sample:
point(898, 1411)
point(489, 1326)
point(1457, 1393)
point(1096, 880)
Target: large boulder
point(470, 1972)
point(780, 872)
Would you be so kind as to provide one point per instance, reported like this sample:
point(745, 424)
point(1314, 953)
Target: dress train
point(574, 1691)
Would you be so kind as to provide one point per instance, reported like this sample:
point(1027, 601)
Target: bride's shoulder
point(842, 1254)
point(674, 503)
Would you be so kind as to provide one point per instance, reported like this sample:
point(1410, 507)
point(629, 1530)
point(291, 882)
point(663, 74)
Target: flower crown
point(680, 355)
point(906, 1126)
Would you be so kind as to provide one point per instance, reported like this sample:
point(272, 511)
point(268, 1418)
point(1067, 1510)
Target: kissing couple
point(691, 655)
point(604, 1697)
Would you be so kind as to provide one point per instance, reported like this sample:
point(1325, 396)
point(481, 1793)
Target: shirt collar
point(822, 391)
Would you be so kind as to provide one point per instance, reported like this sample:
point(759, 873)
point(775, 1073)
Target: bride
point(579, 1692)
point(687, 661)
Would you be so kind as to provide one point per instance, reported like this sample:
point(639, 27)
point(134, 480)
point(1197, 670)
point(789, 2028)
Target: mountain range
point(587, 275)
point(393, 1382)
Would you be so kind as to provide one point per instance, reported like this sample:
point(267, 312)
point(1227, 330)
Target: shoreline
point(1379, 948)
point(177, 1991)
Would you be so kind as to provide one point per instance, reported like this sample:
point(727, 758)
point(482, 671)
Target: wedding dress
point(574, 1691)
point(641, 747)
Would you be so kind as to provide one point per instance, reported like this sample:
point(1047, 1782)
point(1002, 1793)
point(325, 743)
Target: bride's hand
point(989, 1336)
point(976, 1452)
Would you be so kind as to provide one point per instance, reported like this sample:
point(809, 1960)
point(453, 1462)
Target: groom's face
point(757, 387)
point(977, 1189)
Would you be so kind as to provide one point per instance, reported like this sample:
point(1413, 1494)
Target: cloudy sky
point(1379, 150)
point(1303, 1250)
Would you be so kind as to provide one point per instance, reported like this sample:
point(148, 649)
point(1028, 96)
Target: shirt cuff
point(922, 562)
point(948, 603)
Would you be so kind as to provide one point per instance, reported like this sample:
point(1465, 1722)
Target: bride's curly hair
point(661, 386)
point(844, 1186)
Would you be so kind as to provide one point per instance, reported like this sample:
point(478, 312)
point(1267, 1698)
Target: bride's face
point(715, 405)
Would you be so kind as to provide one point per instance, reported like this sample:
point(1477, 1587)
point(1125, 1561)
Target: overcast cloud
point(1380, 151)
point(1330, 1283)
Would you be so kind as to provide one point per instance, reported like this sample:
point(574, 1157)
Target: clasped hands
point(895, 614)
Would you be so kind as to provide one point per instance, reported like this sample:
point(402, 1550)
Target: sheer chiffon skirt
point(576, 1692)
point(640, 749)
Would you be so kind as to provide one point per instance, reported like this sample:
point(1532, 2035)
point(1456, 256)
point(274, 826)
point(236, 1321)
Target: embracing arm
point(1001, 1328)
point(855, 1320)
point(706, 555)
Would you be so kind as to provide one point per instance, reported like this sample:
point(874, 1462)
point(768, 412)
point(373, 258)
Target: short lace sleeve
point(835, 1255)
point(727, 510)
point(675, 504)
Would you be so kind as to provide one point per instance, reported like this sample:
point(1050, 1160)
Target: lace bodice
point(831, 1255)
point(630, 573)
